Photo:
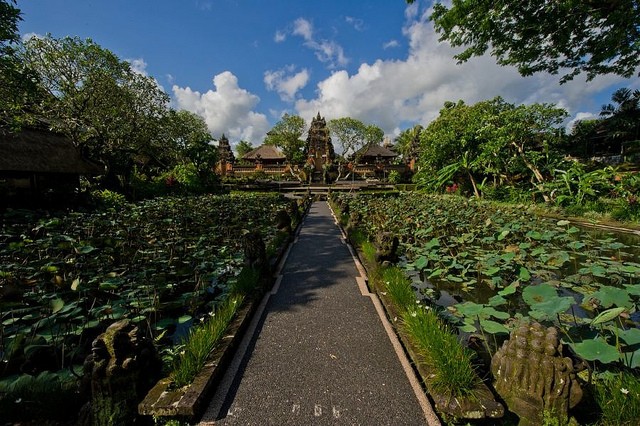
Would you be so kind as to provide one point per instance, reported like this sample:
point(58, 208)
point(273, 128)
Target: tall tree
point(111, 112)
point(408, 140)
point(243, 148)
point(623, 115)
point(555, 36)
point(189, 133)
point(17, 84)
point(286, 135)
point(354, 136)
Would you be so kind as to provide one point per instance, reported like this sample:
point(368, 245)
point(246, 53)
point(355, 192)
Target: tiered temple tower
point(319, 148)
point(225, 156)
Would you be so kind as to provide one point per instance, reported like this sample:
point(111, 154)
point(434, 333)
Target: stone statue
point(283, 222)
point(255, 254)
point(386, 248)
point(122, 367)
point(533, 377)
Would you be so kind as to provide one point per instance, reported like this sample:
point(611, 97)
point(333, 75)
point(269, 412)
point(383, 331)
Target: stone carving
point(294, 211)
point(122, 367)
point(533, 377)
point(255, 254)
point(386, 248)
point(283, 221)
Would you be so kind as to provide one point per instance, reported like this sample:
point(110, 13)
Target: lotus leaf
point(632, 359)
point(609, 296)
point(545, 302)
point(596, 350)
point(631, 336)
point(493, 327)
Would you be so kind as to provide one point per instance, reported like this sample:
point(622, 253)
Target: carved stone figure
point(255, 254)
point(386, 248)
point(533, 377)
point(122, 367)
point(283, 221)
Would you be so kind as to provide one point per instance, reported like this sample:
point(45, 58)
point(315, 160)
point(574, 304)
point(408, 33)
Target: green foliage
point(161, 263)
point(201, 341)
point(354, 135)
point(286, 135)
point(243, 148)
point(394, 177)
point(552, 37)
point(398, 288)
point(108, 199)
point(45, 396)
point(618, 396)
point(448, 362)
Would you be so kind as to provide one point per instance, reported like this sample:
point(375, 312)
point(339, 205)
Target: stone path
point(319, 352)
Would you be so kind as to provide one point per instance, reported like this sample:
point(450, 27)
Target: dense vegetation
point(488, 267)
point(165, 264)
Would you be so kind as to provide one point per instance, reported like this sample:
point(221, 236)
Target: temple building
point(319, 149)
point(225, 156)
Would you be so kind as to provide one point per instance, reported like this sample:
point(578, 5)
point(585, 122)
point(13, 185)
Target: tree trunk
point(534, 169)
point(473, 183)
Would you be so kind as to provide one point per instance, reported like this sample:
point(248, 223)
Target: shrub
point(108, 199)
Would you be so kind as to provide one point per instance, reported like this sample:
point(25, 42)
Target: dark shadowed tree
point(556, 36)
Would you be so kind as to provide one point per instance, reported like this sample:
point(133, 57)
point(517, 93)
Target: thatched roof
point(265, 152)
point(41, 151)
point(377, 151)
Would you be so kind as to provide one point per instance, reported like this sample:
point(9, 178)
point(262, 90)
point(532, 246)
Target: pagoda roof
point(377, 151)
point(264, 152)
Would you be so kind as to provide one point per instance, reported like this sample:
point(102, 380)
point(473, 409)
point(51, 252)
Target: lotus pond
point(490, 266)
point(162, 263)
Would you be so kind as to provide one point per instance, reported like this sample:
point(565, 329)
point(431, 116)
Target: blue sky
point(242, 64)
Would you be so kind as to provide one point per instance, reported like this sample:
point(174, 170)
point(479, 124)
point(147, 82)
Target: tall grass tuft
point(618, 395)
point(201, 341)
point(398, 288)
point(450, 362)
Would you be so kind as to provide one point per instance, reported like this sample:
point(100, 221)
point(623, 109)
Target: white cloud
point(303, 28)
point(579, 117)
point(413, 90)
point(327, 51)
point(139, 66)
point(285, 82)
point(358, 24)
point(28, 36)
point(280, 36)
point(227, 109)
point(390, 44)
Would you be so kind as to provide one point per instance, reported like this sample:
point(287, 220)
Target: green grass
point(201, 341)
point(618, 396)
point(449, 363)
point(246, 282)
point(398, 287)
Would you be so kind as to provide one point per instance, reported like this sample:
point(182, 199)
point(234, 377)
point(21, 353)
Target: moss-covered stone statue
point(122, 367)
point(386, 248)
point(533, 377)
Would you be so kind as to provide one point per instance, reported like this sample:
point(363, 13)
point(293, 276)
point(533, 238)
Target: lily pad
point(596, 350)
point(609, 296)
point(608, 315)
point(493, 327)
point(631, 336)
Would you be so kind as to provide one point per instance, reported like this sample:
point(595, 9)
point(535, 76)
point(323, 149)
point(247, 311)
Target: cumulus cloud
point(227, 109)
point(139, 66)
point(414, 89)
point(285, 82)
point(328, 52)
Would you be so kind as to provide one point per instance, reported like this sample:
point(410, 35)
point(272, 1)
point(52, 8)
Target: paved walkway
point(319, 353)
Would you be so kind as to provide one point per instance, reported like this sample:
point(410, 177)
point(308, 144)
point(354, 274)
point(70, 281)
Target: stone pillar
point(533, 377)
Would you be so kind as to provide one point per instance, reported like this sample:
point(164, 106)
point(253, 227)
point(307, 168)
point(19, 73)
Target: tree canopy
point(286, 134)
point(353, 134)
point(555, 36)
point(492, 139)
